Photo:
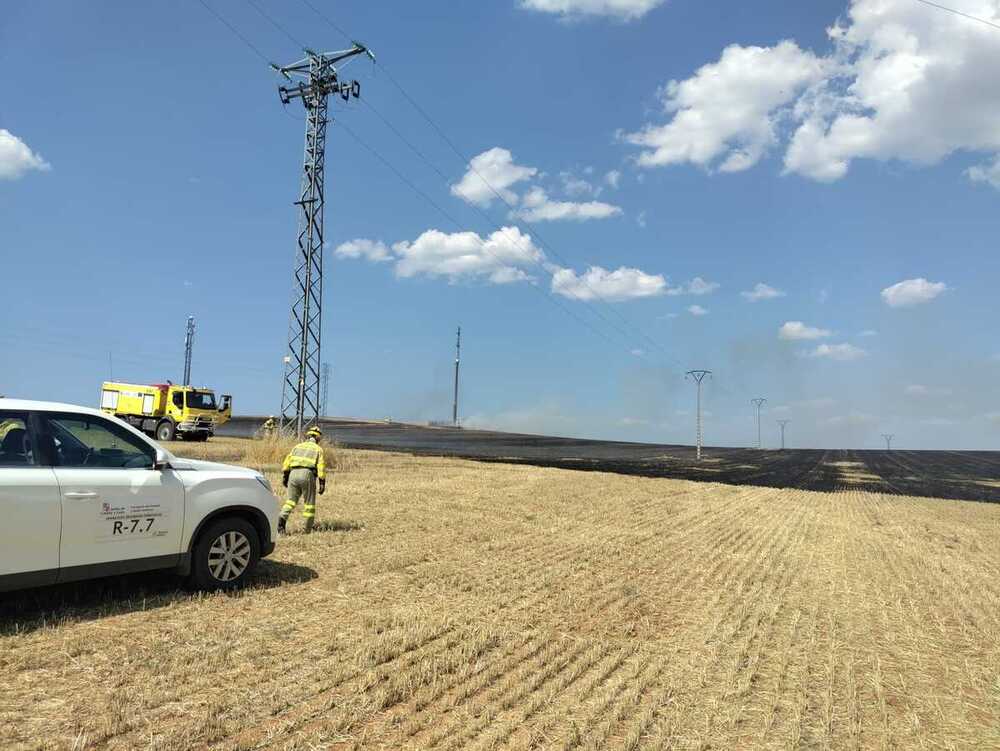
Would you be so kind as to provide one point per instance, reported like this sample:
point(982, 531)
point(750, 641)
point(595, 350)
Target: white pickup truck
point(84, 495)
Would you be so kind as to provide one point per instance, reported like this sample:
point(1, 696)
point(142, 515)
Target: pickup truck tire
point(225, 554)
point(165, 431)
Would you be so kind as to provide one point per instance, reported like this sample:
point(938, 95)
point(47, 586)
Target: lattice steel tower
point(188, 347)
point(325, 377)
point(313, 79)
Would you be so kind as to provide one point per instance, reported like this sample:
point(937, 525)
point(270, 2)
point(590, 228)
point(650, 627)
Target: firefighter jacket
point(306, 455)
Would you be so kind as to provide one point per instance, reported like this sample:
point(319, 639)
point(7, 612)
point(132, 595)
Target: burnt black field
point(959, 475)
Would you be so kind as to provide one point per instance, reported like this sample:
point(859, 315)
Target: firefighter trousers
point(301, 487)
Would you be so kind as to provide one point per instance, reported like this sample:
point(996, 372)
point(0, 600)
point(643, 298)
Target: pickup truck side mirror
point(161, 461)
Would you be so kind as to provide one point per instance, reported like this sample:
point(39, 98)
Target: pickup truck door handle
point(75, 495)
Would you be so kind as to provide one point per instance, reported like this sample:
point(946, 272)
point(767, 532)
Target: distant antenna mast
point(312, 80)
point(888, 440)
point(188, 344)
point(458, 357)
point(783, 423)
point(326, 388)
point(698, 376)
point(757, 403)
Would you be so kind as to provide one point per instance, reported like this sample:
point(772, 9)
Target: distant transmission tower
point(326, 388)
point(783, 423)
point(458, 357)
point(757, 403)
point(188, 345)
point(888, 440)
point(698, 376)
point(314, 78)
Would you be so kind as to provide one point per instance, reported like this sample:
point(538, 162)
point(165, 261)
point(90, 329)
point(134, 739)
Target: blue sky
point(844, 155)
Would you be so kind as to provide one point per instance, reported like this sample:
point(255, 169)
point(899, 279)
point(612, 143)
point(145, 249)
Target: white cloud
point(640, 219)
point(919, 390)
point(626, 10)
point(613, 178)
point(726, 115)
point(696, 286)
point(868, 332)
point(697, 310)
point(699, 286)
point(843, 352)
point(16, 158)
point(760, 292)
point(638, 352)
point(362, 248)
point(614, 286)
point(899, 81)
point(798, 331)
point(986, 173)
point(538, 207)
point(499, 258)
point(495, 168)
point(909, 86)
point(576, 186)
point(912, 292)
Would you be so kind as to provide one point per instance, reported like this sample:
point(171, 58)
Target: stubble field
point(451, 604)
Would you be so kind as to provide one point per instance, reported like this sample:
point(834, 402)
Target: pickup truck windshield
point(200, 400)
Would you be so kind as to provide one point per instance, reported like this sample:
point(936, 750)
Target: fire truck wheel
point(165, 431)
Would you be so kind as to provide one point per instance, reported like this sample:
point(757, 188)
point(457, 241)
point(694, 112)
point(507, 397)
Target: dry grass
point(455, 605)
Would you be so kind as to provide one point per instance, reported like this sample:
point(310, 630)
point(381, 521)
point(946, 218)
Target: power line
point(496, 226)
point(467, 162)
point(958, 13)
point(413, 187)
point(233, 29)
point(514, 213)
point(275, 24)
point(458, 225)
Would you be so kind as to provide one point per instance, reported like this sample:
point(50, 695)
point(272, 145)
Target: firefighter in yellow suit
point(304, 468)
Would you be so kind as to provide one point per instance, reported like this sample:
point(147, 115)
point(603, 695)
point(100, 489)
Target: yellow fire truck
point(165, 410)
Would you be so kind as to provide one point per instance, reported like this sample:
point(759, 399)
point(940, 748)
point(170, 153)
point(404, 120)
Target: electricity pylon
point(783, 423)
point(698, 376)
point(188, 346)
point(326, 388)
point(888, 440)
point(313, 79)
point(458, 357)
point(757, 403)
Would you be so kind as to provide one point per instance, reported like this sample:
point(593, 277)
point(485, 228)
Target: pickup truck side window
point(85, 441)
point(15, 442)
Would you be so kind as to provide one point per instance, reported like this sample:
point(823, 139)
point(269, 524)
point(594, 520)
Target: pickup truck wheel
point(165, 431)
point(226, 552)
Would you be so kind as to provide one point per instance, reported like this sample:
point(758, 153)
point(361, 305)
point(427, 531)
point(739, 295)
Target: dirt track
point(959, 475)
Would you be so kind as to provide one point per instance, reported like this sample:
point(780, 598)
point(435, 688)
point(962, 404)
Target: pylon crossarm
point(326, 60)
